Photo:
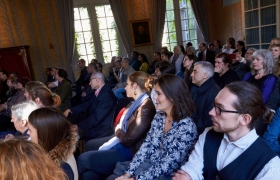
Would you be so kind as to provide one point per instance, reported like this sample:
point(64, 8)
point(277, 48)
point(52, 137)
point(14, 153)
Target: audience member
point(275, 40)
point(134, 63)
point(21, 159)
point(37, 92)
point(99, 66)
point(81, 80)
point(205, 54)
point(171, 136)
point(211, 47)
point(262, 75)
point(223, 74)
point(49, 77)
point(229, 47)
point(94, 118)
point(144, 63)
point(164, 56)
point(124, 72)
point(189, 47)
point(203, 93)
point(231, 149)
point(20, 113)
point(240, 65)
point(240, 48)
point(53, 85)
point(129, 133)
point(275, 50)
point(11, 82)
point(49, 128)
point(177, 58)
point(111, 79)
point(217, 46)
point(64, 89)
point(3, 78)
point(156, 60)
point(272, 134)
point(188, 63)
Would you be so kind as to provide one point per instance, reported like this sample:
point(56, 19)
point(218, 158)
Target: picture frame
point(141, 32)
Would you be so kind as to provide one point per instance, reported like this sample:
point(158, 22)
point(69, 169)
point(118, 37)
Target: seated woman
point(188, 63)
point(5, 114)
point(64, 89)
point(262, 75)
point(223, 74)
point(272, 134)
point(22, 159)
point(39, 93)
point(144, 63)
point(129, 133)
point(20, 113)
point(49, 128)
point(177, 58)
point(171, 137)
point(240, 48)
point(229, 47)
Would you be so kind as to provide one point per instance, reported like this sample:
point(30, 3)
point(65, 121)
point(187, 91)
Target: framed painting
point(141, 32)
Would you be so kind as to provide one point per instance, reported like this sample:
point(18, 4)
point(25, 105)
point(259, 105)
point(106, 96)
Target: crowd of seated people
point(195, 114)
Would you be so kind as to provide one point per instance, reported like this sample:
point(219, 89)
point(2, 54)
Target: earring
point(135, 93)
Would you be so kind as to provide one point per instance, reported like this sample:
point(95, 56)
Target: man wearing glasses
point(232, 148)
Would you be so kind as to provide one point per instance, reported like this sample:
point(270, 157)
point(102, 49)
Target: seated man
point(122, 75)
point(95, 118)
point(203, 93)
point(231, 149)
point(81, 81)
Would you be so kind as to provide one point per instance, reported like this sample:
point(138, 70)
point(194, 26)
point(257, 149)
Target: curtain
point(66, 18)
point(201, 17)
point(159, 9)
point(119, 12)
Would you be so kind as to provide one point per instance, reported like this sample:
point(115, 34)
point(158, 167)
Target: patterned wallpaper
point(224, 22)
point(137, 10)
point(34, 23)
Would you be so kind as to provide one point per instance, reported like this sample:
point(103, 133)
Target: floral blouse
point(165, 151)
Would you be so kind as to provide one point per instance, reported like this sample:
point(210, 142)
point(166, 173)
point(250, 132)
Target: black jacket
point(203, 98)
point(210, 56)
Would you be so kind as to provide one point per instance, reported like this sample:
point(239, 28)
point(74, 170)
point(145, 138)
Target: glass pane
point(190, 13)
point(82, 49)
point(189, 4)
point(106, 46)
point(183, 3)
point(84, 13)
point(84, 57)
point(267, 2)
point(268, 15)
point(91, 56)
point(184, 24)
point(88, 36)
point(89, 48)
point(170, 15)
point(107, 57)
point(268, 33)
point(86, 25)
point(193, 34)
point(192, 23)
point(265, 46)
point(103, 35)
point(108, 10)
point(78, 26)
point(102, 23)
point(252, 36)
point(100, 11)
point(112, 34)
point(92, 48)
point(110, 22)
point(80, 38)
point(173, 37)
point(169, 4)
point(76, 13)
point(251, 19)
point(186, 35)
point(171, 26)
point(184, 13)
point(250, 4)
point(114, 45)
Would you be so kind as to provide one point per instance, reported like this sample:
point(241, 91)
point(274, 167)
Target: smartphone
point(232, 56)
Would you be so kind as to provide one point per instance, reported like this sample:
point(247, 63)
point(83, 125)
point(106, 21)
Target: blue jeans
point(118, 92)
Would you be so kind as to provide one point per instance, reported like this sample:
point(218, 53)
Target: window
point(101, 42)
point(260, 22)
point(185, 21)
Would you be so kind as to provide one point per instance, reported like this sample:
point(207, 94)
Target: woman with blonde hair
point(39, 93)
point(24, 160)
point(177, 58)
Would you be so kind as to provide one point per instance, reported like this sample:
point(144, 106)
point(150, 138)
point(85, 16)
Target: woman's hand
point(218, 70)
point(9, 137)
point(238, 56)
point(126, 176)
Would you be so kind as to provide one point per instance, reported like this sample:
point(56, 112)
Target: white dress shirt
point(229, 151)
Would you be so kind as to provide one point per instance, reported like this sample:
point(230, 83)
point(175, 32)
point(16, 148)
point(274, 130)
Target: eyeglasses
point(92, 79)
point(218, 110)
point(249, 53)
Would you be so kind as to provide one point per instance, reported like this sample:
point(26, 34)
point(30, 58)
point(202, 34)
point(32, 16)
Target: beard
point(227, 129)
